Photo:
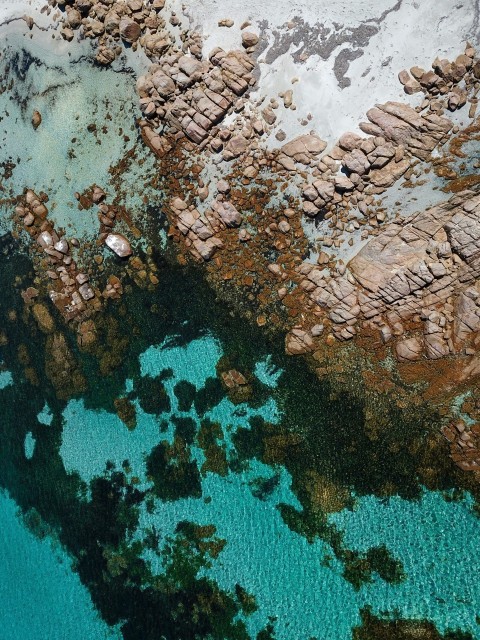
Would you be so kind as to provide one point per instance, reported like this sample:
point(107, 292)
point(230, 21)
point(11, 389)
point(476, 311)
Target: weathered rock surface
point(304, 148)
point(421, 275)
point(399, 123)
point(129, 29)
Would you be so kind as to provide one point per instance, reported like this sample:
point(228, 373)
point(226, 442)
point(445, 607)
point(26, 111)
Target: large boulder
point(118, 244)
point(228, 213)
point(305, 146)
point(409, 349)
point(129, 29)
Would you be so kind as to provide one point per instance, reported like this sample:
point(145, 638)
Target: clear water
point(291, 579)
point(72, 95)
point(42, 597)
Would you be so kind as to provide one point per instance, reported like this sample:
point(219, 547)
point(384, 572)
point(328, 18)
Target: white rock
point(118, 244)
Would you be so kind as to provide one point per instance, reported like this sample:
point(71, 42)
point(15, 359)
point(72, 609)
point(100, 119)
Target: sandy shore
point(343, 57)
point(355, 51)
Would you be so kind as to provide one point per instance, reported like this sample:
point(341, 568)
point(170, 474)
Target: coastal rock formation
point(413, 280)
point(184, 94)
point(464, 444)
point(416, 282)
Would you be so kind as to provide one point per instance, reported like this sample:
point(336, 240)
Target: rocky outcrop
point(464, 444)
point(415, 279)
point(201, 232)
point(134, 23)
point(183, 94)
point(398, 135)
point(447, 84)
point(419, 134)
point(416, 282)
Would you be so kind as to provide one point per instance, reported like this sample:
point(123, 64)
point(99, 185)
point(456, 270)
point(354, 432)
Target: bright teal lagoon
point(298, 583)
point(42, 597)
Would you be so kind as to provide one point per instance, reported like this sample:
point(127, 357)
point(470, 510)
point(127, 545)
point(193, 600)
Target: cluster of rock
point(69, 287)
point(358, 168)
point(416, 279)
point(345, 183)
point(448, 85)
point(464, 444)
point(184, 94)
point(233, 378)
point(303, 149)
point(134, 22)
point(71, 291)
point(415, 282)
point(201, 231)
point(107, 216)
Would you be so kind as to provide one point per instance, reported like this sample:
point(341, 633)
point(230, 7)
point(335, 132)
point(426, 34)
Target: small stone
point(86, 292)
point(404, 77)
point(98, 195)
point(349, 141)
point(317, 330)
point(62, 246)
point(81, 278)
point(342, 183)
point(283, 226)
point(249, 39)
point(409, 349)
point(45, 239)
point(268, 115)
point(36, 119)
point(67, 34)
point(223, 186)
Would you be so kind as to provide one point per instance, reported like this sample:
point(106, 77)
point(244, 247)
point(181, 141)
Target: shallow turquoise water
point(62, 156)
point(42, 597)
point(5, 379)
point(435, 539)
point(437, 542)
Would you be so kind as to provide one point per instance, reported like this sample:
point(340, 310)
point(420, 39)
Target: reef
point(373, 628)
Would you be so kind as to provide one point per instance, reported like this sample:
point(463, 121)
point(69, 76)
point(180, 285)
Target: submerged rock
point(43, 318)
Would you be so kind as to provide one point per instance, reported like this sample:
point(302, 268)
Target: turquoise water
point(42, 597)
point(5, 379)
point(45, 416)
point(298, 583)
point(437, 541)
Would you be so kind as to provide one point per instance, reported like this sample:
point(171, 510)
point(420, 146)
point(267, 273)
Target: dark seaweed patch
point(374, 628)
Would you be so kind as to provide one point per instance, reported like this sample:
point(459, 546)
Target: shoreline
point(232, 199)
